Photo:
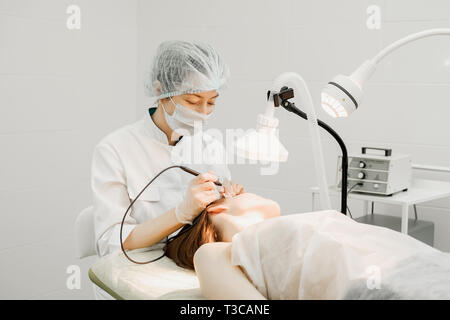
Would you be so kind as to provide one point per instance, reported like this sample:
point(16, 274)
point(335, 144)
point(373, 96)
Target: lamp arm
point(365, 71)
point(306, 100)
point(344, 182)
point(415, 36)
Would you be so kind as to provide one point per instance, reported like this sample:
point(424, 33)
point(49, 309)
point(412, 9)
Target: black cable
point(348, 209)
point(182, 231)
point(350, 190)
point(353, 186)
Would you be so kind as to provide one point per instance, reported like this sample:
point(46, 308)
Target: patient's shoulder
point(213, 246)
point(211, 250)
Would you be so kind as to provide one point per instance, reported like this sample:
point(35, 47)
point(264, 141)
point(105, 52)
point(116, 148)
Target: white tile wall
point(60, 92)
point(406, 104)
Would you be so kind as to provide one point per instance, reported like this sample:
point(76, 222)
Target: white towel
point(318, 255)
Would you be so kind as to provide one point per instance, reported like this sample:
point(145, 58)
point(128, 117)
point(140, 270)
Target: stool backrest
point(84, 233)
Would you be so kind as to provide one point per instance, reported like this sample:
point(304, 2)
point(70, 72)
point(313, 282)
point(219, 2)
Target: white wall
point(60, 92)
point(406, 105)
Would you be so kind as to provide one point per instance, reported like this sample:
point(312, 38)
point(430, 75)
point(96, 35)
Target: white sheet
point(318, 255)
point(162, 279)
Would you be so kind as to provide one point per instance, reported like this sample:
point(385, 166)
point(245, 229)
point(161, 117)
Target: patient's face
point(239, 205)
point(231, 215)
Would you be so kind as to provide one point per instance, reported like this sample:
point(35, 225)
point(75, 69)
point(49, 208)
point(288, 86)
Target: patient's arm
point(219, 280)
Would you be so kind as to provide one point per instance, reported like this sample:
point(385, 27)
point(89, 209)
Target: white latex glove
point(200, 193)
point(231, 189)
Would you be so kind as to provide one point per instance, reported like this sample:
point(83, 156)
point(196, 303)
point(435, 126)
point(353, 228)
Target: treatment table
point(162, 279)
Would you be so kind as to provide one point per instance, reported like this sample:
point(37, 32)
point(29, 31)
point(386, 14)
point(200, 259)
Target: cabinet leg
point(366, 207)
point(405, 218)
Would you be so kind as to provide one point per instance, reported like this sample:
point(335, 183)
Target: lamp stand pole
point(305, 100)
point(287, 93)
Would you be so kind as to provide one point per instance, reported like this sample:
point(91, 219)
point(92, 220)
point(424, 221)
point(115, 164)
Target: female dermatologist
point(185, 80)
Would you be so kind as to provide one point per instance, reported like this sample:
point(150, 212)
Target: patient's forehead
point(247, 195)
point(244, 199)
point(240, 202)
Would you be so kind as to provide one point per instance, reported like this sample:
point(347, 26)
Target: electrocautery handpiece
point(183, 230)
point(195, 173)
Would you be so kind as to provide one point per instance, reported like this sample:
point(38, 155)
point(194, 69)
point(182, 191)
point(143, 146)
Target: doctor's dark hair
point(182, 249)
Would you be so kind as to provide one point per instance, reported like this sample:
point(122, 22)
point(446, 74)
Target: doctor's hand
point(231, 189)
point(200, 193)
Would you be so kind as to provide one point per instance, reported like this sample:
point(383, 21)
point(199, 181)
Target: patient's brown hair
point(182, 249)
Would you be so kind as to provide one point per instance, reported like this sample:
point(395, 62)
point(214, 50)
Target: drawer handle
point(387, 152)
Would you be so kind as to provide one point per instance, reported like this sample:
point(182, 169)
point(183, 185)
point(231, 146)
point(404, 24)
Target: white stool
point(85, 244)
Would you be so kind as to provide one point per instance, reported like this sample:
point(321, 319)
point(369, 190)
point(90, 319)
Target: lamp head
point(262, 144)
point(341, 96)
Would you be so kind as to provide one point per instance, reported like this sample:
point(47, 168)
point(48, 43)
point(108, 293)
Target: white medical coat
point(125, 161)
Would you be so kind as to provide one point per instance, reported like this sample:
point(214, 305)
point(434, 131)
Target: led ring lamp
point(343, 94)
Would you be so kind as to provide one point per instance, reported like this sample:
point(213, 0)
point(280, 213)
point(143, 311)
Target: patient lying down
point(219, 222)
point(243, 249)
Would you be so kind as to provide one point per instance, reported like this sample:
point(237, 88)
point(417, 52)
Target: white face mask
point(185, 118)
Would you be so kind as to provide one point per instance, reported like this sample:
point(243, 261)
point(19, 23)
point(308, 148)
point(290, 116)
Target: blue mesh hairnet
point(181, 67)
